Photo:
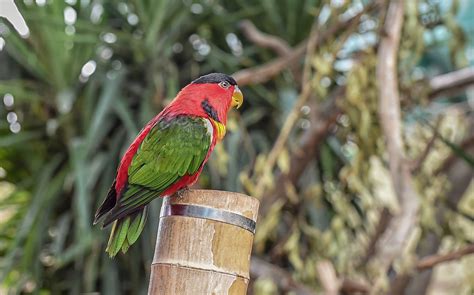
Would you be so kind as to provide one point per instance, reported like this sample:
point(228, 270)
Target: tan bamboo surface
point(202, 256)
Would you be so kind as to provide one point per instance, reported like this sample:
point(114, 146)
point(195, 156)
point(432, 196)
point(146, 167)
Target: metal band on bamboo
point(209, 213)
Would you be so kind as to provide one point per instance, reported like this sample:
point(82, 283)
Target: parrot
point(167, 156)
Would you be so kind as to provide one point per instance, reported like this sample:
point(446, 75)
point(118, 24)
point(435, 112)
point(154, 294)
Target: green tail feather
point(136, 226)
point(125, 232)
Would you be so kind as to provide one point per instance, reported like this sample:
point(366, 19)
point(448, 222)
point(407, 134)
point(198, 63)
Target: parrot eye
point(224, 84)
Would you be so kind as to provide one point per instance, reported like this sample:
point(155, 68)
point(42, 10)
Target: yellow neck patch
point(220, 129)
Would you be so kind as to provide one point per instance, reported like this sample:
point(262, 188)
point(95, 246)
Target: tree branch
point(350, 286)
point(275, 43)
point(465, 145)
point(433, 260)
point(382, 224)
point(265, 72)
point(327, 277)
point(263, 40)
point(451, 83)
point(393, 240)
point(418, 163)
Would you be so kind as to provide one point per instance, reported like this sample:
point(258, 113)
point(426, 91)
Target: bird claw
point(182, 191)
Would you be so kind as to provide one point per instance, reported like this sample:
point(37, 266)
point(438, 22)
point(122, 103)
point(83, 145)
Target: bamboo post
point(204, 244)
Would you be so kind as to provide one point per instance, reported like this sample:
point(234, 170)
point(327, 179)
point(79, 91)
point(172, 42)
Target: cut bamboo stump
point(204, 244)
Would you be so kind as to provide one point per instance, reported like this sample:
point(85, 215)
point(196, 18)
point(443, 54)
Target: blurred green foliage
point(92, 73)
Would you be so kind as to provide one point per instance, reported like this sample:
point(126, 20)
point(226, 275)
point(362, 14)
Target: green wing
point(173, 148)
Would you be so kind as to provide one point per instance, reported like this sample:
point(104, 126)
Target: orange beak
point(237, 98)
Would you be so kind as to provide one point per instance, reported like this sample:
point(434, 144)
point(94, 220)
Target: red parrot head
point(210, 96)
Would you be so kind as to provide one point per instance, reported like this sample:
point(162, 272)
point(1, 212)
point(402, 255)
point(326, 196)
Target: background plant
point(78, 88)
